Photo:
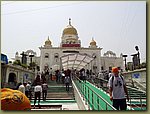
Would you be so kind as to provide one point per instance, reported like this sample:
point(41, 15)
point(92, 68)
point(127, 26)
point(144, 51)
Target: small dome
point(48, 42)
point(93, 42)
point(70, 29)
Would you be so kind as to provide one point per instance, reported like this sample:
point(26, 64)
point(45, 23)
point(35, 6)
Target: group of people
point(38, 87)
point(117, 90)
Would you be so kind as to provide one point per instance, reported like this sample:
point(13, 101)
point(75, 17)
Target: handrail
point(86, 95)
point(136, 89)
point(139, 84)
point(130, 101)
point(141, 104)
point(96, 81)
point(99, 82)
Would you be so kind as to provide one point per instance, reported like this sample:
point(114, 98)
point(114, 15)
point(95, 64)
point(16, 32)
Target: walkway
point(58, 98)
point(96, 98)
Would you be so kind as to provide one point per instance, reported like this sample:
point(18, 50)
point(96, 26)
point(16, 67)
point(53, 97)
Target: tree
point(24, 65)
point(143, 65)
point(17, 62)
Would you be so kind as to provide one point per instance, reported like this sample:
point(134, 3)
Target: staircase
point(137, 99)
point(134, 93)
point(57, 91)
point(57, 97)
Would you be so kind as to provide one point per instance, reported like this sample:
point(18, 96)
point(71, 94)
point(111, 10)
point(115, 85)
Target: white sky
point(118, 26)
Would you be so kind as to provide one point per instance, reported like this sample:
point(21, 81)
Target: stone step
point(59, 89)
point(59, 95)
point(62, 95)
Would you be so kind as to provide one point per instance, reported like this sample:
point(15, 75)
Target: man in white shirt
point(37, 93)
point(21, 88)
point(117, 90)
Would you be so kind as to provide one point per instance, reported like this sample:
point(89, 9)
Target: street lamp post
point(23, 58)
point(31, 60)
point(135, 61)
point(138, 54)
point(125, 61)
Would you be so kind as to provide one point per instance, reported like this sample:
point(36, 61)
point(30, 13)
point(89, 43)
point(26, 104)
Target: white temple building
point(71, 55)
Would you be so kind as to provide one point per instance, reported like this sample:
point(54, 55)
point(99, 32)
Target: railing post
point(83, 91)
point(85, 95)
point(88, 99)
point(106, 106)
point(130, 99)
point(141, 101)
point(92, 102)
point(98, 103)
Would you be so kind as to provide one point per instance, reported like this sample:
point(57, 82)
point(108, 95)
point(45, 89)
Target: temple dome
point(93, 43)
point(48, 42)
point(70, 29)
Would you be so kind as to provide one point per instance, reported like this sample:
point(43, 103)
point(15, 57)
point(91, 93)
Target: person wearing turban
point(14, 100)
point(118, 90)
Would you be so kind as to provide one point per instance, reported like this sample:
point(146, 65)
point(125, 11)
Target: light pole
point(31, 60)
point(125, 61)
point(138, 54)
point(23, 58)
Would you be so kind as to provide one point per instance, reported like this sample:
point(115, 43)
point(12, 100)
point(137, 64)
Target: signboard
point(136, 75)
point(70, 45)
point(25, 77)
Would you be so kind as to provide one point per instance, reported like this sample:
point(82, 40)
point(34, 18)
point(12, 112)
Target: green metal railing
point(138, 105)
point(94, 100)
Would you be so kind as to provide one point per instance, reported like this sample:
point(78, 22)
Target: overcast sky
point(118, 26)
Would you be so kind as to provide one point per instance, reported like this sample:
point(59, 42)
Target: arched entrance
point(75, 61)
point(12, 81)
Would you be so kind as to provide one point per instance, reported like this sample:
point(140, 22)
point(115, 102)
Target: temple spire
point(69, 21)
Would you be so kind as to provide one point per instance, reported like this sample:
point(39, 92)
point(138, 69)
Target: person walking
point(118, 90)
point(84, 75)
point(22, 88)
point(29, 88)
point(63, 77)
point(67, 81)
point(37, 93)
point(44, 90)
point(51, 73)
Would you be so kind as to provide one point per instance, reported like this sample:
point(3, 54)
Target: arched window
point(12, 77)
point(46, 55)
point(56, 57)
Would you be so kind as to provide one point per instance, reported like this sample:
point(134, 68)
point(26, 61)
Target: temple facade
point(81, 57)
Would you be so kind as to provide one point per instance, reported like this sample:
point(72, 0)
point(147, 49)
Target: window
point(56, 55)
point(102, 68)
point(46, 55)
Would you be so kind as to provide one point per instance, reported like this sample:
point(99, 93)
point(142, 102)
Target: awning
point(75, 61)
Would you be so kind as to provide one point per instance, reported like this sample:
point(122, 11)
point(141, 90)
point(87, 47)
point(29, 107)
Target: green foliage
point(10, 62)
point(33, 64)
point(24, 65)
point(17, 62)
point(143, 65)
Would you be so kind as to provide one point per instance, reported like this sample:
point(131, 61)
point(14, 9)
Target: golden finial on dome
point(69, 21)
point(93, 42)
point(48, 42)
